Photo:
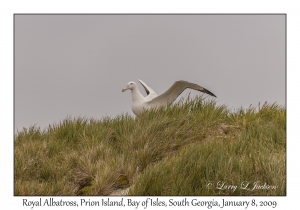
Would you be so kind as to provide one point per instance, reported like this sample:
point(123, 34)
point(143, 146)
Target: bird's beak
point(126, 88)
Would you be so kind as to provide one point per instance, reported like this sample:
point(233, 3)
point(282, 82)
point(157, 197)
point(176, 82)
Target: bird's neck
point(136, 95)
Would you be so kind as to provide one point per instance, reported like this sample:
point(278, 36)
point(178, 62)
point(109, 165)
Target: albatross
point(152, 100)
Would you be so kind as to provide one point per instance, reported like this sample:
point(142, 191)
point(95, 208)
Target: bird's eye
point(131, 83)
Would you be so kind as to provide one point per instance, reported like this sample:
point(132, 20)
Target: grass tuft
point(189, 148)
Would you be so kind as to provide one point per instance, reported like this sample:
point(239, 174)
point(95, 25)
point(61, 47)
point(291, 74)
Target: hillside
point(191, 148)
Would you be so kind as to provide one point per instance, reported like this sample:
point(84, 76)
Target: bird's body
point(152, 100)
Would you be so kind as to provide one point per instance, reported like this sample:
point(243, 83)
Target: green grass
point(191, 148)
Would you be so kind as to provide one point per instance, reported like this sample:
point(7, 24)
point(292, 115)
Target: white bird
point(140, 103)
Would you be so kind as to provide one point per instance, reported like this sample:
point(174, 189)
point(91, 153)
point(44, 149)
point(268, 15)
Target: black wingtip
point(210, 93)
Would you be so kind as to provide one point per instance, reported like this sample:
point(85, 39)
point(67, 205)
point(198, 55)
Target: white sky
point(76, 65)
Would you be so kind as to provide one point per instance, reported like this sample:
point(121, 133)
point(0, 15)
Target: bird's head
point(130, 86)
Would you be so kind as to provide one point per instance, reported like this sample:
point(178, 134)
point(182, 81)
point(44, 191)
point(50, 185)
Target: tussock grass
point(190, 148)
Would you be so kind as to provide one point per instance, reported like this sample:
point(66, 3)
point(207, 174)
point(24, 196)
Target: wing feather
point(169, 96)
point(150, 92)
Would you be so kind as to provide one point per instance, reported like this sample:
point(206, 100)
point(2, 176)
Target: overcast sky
point(77, 65)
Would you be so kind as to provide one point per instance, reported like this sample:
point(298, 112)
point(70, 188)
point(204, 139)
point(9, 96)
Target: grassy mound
point(191, 148)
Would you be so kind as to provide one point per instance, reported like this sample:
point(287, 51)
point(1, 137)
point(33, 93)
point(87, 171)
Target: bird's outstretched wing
point(150, 92)
point(169, 96)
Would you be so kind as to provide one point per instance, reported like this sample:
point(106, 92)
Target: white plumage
point(152, 100)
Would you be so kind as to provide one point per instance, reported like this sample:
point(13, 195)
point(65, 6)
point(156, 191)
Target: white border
point(8, 8)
